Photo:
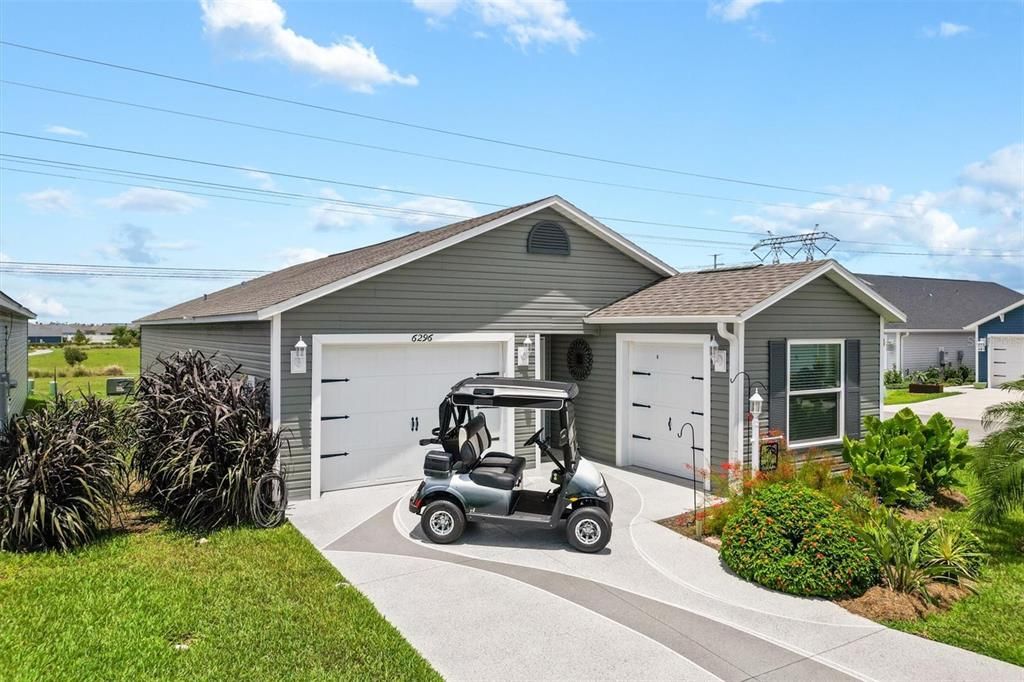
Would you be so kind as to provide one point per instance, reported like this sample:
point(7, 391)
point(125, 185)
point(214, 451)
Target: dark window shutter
point(852, 391)
point(777, 384)
point(548, 238)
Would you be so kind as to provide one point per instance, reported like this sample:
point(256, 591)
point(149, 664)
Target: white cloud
point(983, 213)
point(526, 22)
point(137, 244)
point(152, 200)
point(43, 306)
point(452, 211)
point(50, 200)
point(1002, 171)
point(299, 254)
point(262, 22)
point(736, 10)
point(263, 180)
point(63, 130)
point(332, 215)
point(945, 29)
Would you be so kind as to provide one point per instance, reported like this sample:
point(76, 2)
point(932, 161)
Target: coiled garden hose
point(269, 500)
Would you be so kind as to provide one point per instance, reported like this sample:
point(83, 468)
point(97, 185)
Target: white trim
point(998, 313)
point(977, 355)
point(321, 340)
point(622, 347)
point(840, 391)
point(988, 354)
point(275, 379)
point(881, 365)
point(742, 401)
point(538, 374)
point(557, 203)
point(661, 319)
point(927, 331)
point(846, 280)
point(207, 319)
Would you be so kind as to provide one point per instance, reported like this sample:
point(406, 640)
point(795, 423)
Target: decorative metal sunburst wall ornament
point(580, 359)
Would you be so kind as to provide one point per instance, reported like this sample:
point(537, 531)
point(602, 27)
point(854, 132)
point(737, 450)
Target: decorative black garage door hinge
point(639, 373)
point(334, 454)
point(327, 419)
point(698, 378)
point(638, 437)
point(332, 381)
point(641, 405)
point(699, 414)
point(488, 374)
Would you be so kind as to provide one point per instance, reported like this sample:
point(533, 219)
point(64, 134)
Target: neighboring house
point(539, 290)
point(56, 333)
point(14, 319)
point(938, 311)
point(1000, 345)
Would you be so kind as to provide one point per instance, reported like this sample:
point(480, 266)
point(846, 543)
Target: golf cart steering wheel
point(536, 439)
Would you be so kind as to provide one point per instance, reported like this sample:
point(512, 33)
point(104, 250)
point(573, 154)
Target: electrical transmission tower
point(810, 244)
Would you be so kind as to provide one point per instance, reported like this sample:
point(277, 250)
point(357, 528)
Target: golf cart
point(464, 482)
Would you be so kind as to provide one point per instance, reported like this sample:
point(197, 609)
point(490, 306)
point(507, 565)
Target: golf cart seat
point(495, 470)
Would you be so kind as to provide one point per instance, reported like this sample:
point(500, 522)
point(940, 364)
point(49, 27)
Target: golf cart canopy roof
point(501, 392)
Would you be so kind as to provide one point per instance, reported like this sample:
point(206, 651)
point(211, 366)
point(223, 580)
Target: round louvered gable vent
point(548, 238)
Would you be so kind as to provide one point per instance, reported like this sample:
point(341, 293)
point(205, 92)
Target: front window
point(815, 391)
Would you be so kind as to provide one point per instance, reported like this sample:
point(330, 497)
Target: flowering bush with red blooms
point(793, 539)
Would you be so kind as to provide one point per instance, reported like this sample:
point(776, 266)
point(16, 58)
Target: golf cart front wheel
point(443, 522)
point(588, 529)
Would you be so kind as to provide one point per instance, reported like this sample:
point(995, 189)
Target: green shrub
point(60, 475)
point(999, 463)
point(112, 371)
point(913, 555)
point(204, 439)
point(793, 539)
point(932, 375)
point(893, 377)
point(73, 355)
point(900, 458)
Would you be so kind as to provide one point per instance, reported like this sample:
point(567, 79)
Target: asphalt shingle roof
point(941, 303)
point(727, 291)
point(282, 285)
point(9, 304)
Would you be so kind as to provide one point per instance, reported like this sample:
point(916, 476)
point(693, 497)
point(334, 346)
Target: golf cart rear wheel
point(588, 529)
point(443, 522)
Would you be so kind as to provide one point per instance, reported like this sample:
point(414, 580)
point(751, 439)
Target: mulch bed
point(684, 525)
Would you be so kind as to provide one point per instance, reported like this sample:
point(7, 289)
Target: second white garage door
point(665, 388)
point(378, 399)
point(1006, 358)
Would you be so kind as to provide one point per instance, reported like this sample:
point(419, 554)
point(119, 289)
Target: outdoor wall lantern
point(523, 352)
point(299, 357)
point(756, 401)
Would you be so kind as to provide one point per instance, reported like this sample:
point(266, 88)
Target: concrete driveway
point(512, 603)
point(965, 409)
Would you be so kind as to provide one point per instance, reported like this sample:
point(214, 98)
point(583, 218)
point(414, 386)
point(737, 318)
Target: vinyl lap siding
point(487, 284)
point(243, 343)
point(921, 349)
point(819, 310)
point(596, 418)
point(16, 359)
point(1012, 323)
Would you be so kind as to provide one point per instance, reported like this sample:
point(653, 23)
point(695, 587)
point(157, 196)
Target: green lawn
point(127, 358)
point(902, 396)
point(990, 622)
point(249, 604)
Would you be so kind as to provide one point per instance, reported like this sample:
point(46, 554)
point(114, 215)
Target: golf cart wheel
point(443, 522)
point(588, 529)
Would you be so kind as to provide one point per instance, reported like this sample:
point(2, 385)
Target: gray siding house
point(360, 347)
point(14, 319)
point(938, 310)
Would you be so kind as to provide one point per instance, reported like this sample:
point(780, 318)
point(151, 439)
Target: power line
point(444, 131)
point(87, 270)
point(476, 164)
point(363, 208)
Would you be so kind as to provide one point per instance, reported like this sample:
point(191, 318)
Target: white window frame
point(841, 390)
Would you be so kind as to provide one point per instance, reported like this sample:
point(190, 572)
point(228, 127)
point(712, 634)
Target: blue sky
point(912, 112)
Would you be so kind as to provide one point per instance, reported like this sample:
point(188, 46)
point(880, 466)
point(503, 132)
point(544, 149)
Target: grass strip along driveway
point(902, 396)
point(156, 604)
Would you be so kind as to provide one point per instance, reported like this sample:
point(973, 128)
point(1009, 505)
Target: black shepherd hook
point(693, 462)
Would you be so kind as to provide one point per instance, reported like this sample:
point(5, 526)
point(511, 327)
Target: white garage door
point(377, 401)
point(1006, 359)
point(666, 391)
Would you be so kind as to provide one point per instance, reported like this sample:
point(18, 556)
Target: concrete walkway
point(517, 603)
point(965, 409)
point(39, 351)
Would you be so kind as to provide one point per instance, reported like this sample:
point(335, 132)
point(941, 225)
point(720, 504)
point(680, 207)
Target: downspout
point(734, 368)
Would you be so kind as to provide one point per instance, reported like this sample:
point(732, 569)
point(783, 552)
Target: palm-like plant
point(999, 464)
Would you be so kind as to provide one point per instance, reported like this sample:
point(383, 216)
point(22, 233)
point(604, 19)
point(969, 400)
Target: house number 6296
point(422, 338)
